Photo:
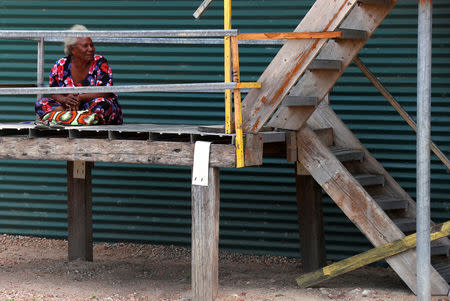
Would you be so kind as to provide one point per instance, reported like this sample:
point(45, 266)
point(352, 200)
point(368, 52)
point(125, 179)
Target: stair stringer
point(360, 207)
point(291, 62)
point(325, 117)
point(318, 83)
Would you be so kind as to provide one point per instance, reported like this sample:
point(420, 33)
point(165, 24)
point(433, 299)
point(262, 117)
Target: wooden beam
point(299, 101)
point(289, 35)
point(291, 146)
point(201, 9)
point(253, 149)
point(373, 79)
point(321, 64)
point(359, 206)
point(205, 238)
point(79, 210)
point(318, 83)
point(120, 151)
point(373, 255)
point(291, 62)
point(310, 221)
point(376, 2)
point(353, 34)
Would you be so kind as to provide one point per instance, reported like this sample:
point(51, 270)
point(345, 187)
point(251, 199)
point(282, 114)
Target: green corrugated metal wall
point(258, 209)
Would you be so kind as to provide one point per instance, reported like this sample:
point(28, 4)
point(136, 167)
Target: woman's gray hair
point(70, 41)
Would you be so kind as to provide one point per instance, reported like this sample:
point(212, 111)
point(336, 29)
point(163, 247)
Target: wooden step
point(438, 248)
point(345, 154)
point(390, 203)
point(299, 101)
point(405, 224)
point(443, 269)
point(408, 225)
point(376, 2)
point(368, 179)
point(322, 64)
point(353, 34)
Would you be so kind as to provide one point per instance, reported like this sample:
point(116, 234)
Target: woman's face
point(83, 50)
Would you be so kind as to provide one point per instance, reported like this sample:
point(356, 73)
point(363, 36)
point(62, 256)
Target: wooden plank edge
point(119, 151)
point(289, 35)
point(202, 8)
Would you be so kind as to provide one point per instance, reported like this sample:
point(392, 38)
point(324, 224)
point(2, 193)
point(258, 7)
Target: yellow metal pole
point(227, 63)
point(237, 105)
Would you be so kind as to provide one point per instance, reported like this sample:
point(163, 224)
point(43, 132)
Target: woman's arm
point(82, 98)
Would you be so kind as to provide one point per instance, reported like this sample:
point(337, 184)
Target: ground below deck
point(37, 269)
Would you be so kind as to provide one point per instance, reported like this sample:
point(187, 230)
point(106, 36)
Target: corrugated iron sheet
point(258, 208)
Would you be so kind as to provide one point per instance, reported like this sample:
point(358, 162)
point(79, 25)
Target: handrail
point(163, 36)
point(5, 34)
point(121, 89)
point(398, 107)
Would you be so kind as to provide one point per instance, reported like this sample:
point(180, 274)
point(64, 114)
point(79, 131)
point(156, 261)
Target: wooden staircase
point(291, 98)
point(365, 192)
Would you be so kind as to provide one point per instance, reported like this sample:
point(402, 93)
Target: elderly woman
point(81, 67)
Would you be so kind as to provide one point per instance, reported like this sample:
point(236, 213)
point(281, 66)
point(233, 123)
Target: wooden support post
point(79, 209)
point(205, 238)
point(310, 220)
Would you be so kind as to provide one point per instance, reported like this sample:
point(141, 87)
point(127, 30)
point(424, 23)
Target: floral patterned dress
point(99, 74)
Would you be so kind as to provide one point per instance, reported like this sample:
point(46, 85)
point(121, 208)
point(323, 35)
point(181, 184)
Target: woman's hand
point(68, 101)
point(71, 101)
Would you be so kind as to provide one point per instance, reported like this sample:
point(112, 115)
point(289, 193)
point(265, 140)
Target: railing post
point(40, 65)
point(237, 105)
point(227, 64)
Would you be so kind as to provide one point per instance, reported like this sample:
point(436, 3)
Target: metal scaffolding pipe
point(40, 65)
point(423, 149)
point(14, 34)
point(120, 89)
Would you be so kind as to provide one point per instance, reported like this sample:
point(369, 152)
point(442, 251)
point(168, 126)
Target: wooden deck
point(130, 143)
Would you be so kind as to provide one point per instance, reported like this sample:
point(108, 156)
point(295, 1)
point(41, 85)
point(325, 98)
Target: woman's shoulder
point(62, 61)
point(99, 58)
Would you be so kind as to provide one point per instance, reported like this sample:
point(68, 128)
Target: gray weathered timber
point(291, 62)
point(377, 2)
point(345, 154)
point(359, 206)
point(310, 221)
point(396, 105)
point(121, 89)
point(299, 101)
point(322, 64)
point(391, 203)
point(201, 9)
point(124, 128)
point(79, 213)
point(353, 34)
point(324, 117)
point(253, 149)
point(120, 151)
point(6, 34)
point(205, 238)
point(369, 179)
point(364, 17)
